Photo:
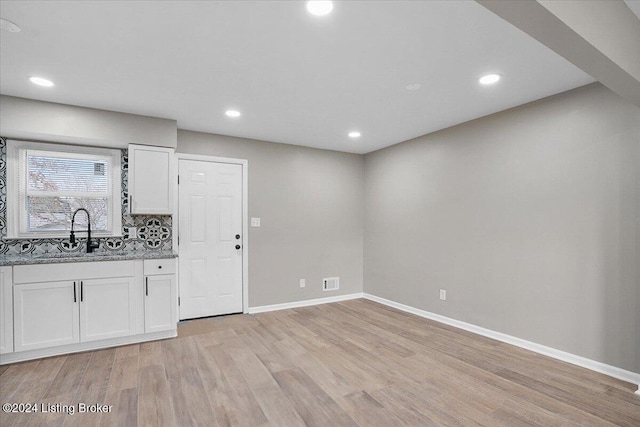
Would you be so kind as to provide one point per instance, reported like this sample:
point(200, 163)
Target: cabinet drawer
point(159, 266)
point(72, 271)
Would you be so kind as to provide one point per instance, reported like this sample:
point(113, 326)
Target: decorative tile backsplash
point(154, 232)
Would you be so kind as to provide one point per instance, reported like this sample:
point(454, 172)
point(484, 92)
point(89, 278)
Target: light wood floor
point(342, 364)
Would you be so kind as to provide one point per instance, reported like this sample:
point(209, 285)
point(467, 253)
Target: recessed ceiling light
point(319, 7)
point(8, 26)
point(489, 79)
point(40, 81)
point(354, 134)
point(232, 113)
point(413, 86)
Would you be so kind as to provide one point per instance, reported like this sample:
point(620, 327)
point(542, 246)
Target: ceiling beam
point(601, 37)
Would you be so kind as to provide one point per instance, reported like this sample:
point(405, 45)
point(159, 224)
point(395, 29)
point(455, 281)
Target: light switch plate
point(443, 294)
point(255, 222)
point(133, 232)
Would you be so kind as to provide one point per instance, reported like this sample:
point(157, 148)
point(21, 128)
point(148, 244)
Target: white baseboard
point(603, 368)
point(23, 356)
point(304, 303)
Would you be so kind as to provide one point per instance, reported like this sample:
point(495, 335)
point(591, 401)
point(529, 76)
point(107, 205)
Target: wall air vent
point(330, 283)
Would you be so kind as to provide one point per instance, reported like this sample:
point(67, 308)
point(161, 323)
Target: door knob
point(237, 236)
point(238, 246)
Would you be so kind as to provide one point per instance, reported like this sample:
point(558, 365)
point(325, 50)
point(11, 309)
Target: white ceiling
point(634, 5)
point(296, 78)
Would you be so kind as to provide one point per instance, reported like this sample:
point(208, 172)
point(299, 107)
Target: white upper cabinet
point(150, 180)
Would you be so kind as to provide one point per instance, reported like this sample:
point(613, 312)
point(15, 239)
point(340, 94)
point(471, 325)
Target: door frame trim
point(245, 216)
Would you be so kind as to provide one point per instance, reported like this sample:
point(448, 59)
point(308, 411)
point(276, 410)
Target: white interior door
point(210, 233)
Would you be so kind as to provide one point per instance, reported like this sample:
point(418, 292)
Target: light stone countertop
point(6, 260)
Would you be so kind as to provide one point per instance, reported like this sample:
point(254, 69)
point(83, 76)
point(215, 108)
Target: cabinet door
point(150, 180)
point(6, 310)
point(107, 308)
point(160, 303)
point(45, 315)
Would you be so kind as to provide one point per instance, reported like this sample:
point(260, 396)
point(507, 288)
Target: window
point(48, 182)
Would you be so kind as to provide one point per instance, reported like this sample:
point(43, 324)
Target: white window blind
point(53, 183)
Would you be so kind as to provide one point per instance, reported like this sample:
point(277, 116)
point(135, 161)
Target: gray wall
point(529, 219)
point(310, 203)
point(47, 121)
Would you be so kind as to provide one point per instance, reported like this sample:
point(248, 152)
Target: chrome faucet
point(72, 237)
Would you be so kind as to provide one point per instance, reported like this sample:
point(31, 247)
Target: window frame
point(17, 186)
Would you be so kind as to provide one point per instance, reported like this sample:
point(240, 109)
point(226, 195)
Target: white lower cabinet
point(107, 308)
point(45, 315)
point(58, 313)
point(6, 310)
point(66, 307)
point(160, 303)
point(160, 295)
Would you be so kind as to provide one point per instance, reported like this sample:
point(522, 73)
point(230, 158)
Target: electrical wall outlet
point(443, 294)
point(303, 283)
point(133, 232)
